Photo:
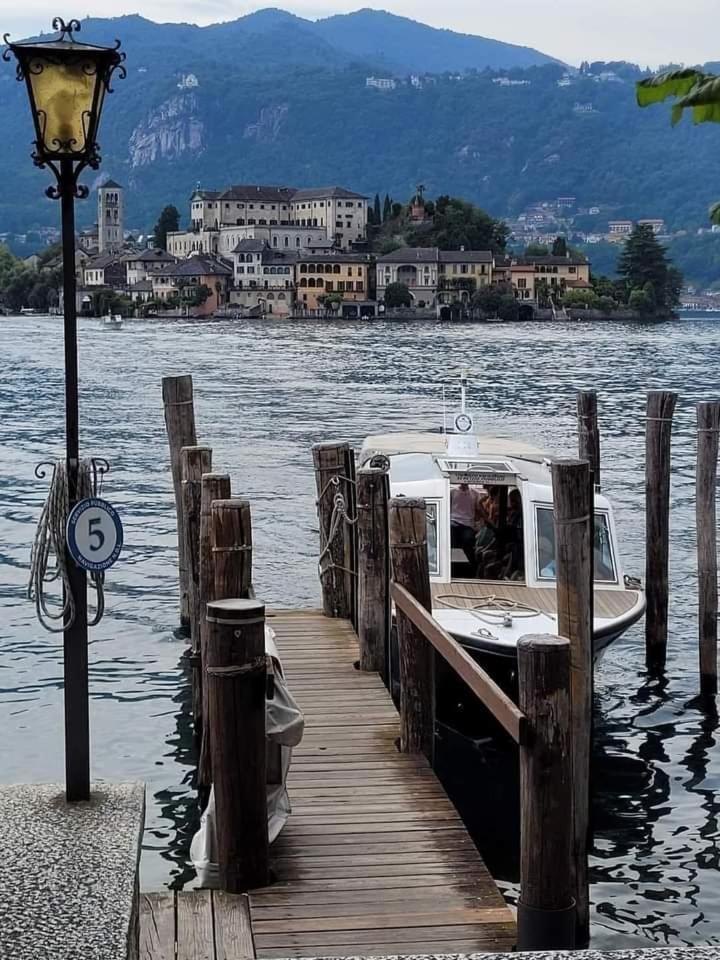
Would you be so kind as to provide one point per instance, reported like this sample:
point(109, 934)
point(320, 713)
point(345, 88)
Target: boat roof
point(392, 444)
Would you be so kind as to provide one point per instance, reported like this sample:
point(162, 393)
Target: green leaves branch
point(695, 91)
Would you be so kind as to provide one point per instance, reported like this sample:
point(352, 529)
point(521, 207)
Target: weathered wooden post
point(215, 486)
point(546, 908)
point(194, 462)
point(660, 409)
point(351, 539)
point(708, 426)
point(588, 431)
point(180, 424)
point(408, 552)
point(330, 461)
point(236, 683)
point(573, 549)
point(373, 628)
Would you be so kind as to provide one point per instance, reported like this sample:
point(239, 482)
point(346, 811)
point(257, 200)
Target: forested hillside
point(286, 104)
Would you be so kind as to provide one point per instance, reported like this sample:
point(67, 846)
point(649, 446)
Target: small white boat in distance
point(113, 321)
point(491, 538)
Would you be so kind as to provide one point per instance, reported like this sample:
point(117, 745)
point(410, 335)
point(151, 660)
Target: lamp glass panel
point(63, 95)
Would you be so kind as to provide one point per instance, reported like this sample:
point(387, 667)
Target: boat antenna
point(444, 410)
point(463, 387)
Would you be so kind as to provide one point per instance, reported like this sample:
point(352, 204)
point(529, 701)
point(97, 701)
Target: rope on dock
point(50, 540)
point(338, 516)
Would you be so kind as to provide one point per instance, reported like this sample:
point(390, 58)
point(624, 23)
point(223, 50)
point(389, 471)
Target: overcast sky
point(649, 32)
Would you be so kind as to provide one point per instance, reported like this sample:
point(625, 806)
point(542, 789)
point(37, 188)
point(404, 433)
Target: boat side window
point(602, 547)
point(432, 538)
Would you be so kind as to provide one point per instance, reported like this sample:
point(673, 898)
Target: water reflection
point(264, 393)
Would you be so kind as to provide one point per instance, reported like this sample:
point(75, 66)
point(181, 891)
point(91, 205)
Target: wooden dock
point(374, 859)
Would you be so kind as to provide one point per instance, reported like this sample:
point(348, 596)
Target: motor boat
point(113, 321)
point(491, 538)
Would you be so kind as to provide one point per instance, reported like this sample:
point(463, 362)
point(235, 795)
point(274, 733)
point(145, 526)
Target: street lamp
point(66, 84)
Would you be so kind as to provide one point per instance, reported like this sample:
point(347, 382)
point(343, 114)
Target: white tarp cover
point(284, 726)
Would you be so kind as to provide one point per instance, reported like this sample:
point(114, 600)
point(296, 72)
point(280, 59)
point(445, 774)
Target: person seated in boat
point(465, 511)
point(484, 546)
point(491, 505)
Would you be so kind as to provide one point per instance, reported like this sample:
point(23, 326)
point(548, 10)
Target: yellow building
point(344, 274)
point(556, 272)
point(462, 272)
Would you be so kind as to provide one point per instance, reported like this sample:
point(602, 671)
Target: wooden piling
point(660, 409)
point(373, 565)
point(408, 552)
point(588, 431)
point(573, 558)
point(351, 539)
point(215, 486)
point(177, 395)
point(194, 462)
point(546, 908)
point(708, 426)
point(236, 683)
point(331, 463)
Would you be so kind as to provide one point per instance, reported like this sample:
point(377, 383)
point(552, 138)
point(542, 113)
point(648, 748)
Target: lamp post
point(66, 84)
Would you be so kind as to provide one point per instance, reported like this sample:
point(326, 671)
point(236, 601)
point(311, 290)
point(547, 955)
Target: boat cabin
point(489, 509)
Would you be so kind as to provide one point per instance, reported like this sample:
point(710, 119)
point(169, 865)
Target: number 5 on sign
point(94, 534)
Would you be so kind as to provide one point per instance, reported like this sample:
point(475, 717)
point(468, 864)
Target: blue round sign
point(94, 534)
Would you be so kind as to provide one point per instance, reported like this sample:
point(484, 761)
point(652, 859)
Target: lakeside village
point(256, 250)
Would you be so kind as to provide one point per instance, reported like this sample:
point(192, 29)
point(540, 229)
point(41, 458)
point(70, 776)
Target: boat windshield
point(603, 557)
point(486, 532)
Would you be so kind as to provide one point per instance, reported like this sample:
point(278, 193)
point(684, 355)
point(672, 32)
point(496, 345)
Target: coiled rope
point(50, 541)
point(339, 515)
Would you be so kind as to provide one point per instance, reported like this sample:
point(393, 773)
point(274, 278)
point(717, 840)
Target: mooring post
point(177, 395)
point(194, 462)
point(708, 426)
point(215, 486)
point(236, 683)
point(373, 567)
point(658, 435)
point(588, 431)
point(573, 550)
point(331, 464)
point(351, 540)
point(546, 909)
point(408, 553)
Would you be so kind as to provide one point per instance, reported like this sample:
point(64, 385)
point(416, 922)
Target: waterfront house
point(141, 263)
point(105, 270)
point(346, 274)
point(186, 278)
point(462, 272)
point(415, 267)
point(264, 279)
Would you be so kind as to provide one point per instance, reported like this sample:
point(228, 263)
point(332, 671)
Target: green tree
point(488, 299)
point(508, 308)
point(168, 222)
point(395, 210)
point(397, 295)
point(457, 223)
point(587, 299)
point(559, 247)
point(377, 213)
point(387, 208)
point(643, 261)
point(536, 250)
point(641, 302)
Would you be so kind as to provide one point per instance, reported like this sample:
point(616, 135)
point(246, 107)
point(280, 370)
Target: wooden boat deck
point(374, 859)
point(464, 594)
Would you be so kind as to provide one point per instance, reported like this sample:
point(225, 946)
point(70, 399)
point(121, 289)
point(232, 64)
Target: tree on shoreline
point(651, 284)
point(168, 222)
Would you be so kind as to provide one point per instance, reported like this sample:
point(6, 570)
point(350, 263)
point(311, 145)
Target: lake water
point(265, 392)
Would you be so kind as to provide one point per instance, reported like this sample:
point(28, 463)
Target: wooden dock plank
point(195, 938)
point(233, 933)
point(157, 926)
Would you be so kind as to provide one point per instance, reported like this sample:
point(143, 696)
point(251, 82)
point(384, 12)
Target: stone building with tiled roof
point(334, 213)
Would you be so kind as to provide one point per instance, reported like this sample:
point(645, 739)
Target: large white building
point(110, 217)
point(286, 217)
